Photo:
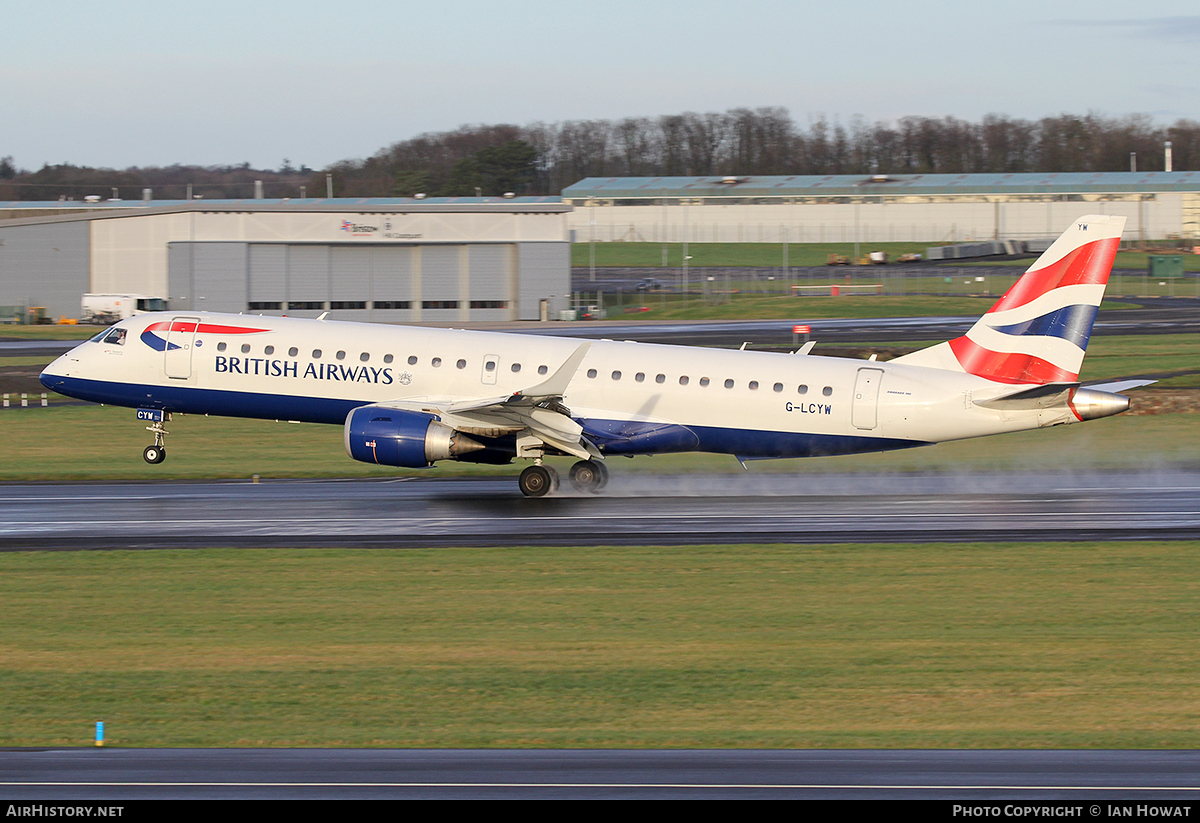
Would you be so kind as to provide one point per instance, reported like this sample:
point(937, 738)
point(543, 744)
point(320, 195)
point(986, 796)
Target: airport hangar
point(382, 260)
point(878, 208)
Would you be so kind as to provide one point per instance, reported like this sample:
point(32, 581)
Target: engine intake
point(391, 437)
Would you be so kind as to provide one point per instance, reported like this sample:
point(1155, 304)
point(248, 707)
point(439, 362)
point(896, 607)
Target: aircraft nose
point(55, 374)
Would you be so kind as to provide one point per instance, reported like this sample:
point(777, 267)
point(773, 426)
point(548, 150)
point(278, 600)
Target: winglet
point(556, 384)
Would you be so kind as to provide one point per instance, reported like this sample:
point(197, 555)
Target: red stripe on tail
point(1005, 367)
point(1089, 265)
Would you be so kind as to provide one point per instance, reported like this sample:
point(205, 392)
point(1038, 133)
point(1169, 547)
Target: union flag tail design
point(1038, 331)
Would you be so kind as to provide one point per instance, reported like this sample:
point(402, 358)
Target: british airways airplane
point(409, 396)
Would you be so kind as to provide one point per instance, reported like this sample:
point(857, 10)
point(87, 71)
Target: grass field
point(656, 307)
point(798, 254)
point(54, 332)
point(1072, 645)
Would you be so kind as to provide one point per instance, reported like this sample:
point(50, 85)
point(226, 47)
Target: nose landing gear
point(158, 452)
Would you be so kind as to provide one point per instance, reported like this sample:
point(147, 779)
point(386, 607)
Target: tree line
point(543, 158)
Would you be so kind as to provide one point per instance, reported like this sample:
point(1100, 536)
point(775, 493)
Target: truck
point(106, 309)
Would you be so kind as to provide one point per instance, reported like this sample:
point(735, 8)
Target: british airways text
point(268, 367)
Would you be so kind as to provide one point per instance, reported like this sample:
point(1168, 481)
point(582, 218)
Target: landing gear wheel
point(589, 475)
point(154, 454)
point(538, 481)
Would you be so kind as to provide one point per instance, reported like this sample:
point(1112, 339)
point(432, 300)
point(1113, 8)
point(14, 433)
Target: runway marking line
point(807, 519)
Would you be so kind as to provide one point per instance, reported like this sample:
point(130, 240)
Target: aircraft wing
point(537, 409)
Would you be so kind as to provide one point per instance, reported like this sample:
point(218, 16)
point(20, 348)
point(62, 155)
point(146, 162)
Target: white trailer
point(106, 309)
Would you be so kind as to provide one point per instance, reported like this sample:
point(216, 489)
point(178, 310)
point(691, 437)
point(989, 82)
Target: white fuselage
point(630, 397)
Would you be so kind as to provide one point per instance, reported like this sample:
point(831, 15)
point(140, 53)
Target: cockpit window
point(115, 337)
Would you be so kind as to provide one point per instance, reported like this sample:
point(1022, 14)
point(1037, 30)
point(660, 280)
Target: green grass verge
point(658, 307)
point(798, 254)
point(728, 254)
point(1133, 260)
point(1067, 645)
point(1127, 355)
point(54, 332)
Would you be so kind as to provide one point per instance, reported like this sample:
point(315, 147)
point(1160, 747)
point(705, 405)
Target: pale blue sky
point(123, 83)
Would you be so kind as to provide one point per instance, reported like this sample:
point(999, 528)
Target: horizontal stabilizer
point(1120, 385)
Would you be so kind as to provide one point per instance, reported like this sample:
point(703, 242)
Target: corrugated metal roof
point(138, 208)
point(314, 203)
point(900, 184)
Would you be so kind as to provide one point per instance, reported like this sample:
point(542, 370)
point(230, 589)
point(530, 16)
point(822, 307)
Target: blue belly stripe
point(614, 436)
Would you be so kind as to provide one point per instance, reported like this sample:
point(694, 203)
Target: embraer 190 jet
point(410, 396)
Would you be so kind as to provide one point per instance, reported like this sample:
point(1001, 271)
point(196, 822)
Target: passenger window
point(293, 351)
point(591, 372)
point(729, 384)
point(340, 355)
point(269, 350)
point(542, 369)
point(827, 391)
point(412, 360)
point(436, 362)
point(703, 381)
point(778, 387)
point(516, 367)
point(387, 358)
point(462, 364)
point(221, 346)
point(683, 381)
point(660, 378)
point(489, 366)
point(316, 354)
point(803, 389)
point(616, 375)
point(753, 385)
point(640, 377)
point(245, 348)
point(364, 357)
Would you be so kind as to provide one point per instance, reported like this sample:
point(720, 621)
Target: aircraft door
point(865, 407)
point(491, 365)
point(178, 354)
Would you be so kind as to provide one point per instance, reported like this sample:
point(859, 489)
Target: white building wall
point(949, 221)
point(129, 253)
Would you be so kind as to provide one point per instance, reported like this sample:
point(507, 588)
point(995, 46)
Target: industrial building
point(927, 208)
point(383, 260)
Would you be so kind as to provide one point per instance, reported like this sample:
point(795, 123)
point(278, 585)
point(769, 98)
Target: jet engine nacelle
point(391, 437)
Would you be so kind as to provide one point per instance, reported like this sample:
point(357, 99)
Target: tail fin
point(1038, 331)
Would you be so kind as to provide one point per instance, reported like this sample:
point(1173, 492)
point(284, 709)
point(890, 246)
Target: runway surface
point(633, 510)
point(1088, 777)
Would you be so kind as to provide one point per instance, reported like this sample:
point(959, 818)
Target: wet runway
point(1087, 777)
point(633, 510)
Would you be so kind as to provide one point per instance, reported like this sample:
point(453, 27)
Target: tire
point(587, 476)
point(154, 454)
point(602, 473)
point(537, 481)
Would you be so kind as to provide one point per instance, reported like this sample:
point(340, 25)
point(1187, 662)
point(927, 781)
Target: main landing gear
point(589, 475)
point(540, 480)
